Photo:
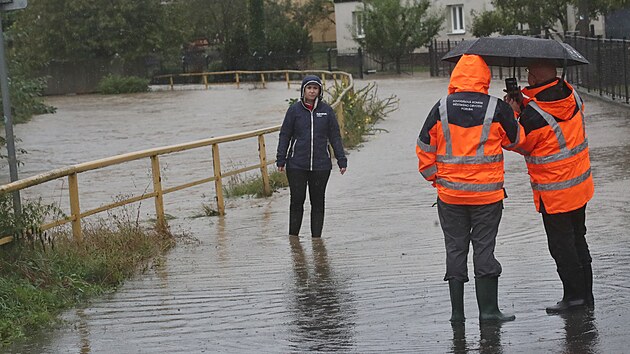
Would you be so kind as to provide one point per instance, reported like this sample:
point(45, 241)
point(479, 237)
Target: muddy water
point(374, 282)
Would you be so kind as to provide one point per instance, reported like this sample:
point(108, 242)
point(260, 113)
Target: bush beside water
point(42, 274)
point(114, 84)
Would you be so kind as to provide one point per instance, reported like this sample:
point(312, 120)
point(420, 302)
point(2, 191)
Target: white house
point(457, 24)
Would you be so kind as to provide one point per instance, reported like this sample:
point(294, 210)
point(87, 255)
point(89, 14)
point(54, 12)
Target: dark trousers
point(567, 245)
point(316, 182)
point(463, 224)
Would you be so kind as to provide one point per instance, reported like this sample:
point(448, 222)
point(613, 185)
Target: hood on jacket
point(554, 97)
point(471, 74)
point(311, 79)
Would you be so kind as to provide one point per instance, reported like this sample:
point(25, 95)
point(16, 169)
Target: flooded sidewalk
point(373, 283)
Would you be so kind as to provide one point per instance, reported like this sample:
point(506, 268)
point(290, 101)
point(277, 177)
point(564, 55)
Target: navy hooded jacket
point(305, 134)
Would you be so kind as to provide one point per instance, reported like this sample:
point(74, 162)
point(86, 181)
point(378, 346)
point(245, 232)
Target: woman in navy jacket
point(308, 127)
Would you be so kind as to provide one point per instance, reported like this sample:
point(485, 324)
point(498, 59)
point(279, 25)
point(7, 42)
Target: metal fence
point(606, 75)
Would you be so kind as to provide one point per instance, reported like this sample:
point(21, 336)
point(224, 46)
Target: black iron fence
point(606, 75)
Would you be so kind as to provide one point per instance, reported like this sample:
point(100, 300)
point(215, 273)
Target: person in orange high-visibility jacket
point(557, 158)
point(460, 150)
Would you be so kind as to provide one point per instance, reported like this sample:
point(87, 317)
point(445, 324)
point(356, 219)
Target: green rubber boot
point(456, 288)
point(487, 300)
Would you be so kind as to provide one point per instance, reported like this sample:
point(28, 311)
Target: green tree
point(223, 23)
point(78, 30)
point(536, 17)
point(288, 39)
point(257, 40)
point(394, 29)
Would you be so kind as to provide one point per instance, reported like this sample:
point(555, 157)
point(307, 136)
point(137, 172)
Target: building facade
point(457, 23)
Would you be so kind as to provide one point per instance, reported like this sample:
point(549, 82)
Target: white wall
point(468, 6)
point(343, 21)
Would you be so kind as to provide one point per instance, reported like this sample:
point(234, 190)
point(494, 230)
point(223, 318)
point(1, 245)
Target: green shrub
point(38, 280)
point(237, 186)
point(114, 84)
point(361, 110)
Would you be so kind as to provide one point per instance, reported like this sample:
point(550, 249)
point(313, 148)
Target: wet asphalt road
point(373, 283)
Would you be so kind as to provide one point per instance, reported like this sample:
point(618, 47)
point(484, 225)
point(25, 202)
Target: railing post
point(262, 78)
point(286, 75)
point(205, 81)
point(329, 59)
point(170, 79)
point(599, 66)
point(157, 189)
point(218, 184)
point(340, 118)
point(262, 154)
point(75, 209)
point(238, 81)
point(625, 68)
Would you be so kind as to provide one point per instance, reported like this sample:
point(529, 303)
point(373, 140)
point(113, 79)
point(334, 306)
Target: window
point(357, 24)
point(457, 19)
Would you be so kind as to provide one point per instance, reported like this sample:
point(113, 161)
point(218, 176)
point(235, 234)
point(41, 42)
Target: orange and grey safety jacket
point(556, 148)
point(460, 146)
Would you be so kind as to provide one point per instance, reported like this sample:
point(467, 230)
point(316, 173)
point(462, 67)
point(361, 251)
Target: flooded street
point(372, 284)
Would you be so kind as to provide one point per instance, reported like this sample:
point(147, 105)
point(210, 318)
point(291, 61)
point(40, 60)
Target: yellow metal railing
point(72, 172)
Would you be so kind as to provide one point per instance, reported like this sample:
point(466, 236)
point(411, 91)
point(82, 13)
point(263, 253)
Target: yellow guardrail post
point(262, 154)
point(262, 78)
point(75, 209)
point(157, 189)
point(170, 80)
point(340, 118)
point(238, 81)
point(6, 239)
point(286, 75)
point(218, 184)
point(205, 81)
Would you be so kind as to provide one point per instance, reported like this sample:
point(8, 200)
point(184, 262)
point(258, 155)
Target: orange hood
point(471, 74)
point(563, 108)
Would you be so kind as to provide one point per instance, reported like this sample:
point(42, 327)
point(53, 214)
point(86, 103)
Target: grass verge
point(45, 274)
point(238, 186)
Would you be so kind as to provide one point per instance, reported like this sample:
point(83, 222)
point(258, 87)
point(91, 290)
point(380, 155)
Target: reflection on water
point(490, 338)
point(581, 332)
point(459, 338)
point(322, 317)
point(84, 332)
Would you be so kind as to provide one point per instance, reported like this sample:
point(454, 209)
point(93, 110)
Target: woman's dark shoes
point(566, 305)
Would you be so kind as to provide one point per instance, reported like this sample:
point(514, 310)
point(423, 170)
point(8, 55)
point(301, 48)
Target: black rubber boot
point(487, 300)
point(573, 285)
point(456, 289)
point(588, 285)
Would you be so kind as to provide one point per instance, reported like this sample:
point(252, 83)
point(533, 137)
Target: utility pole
point(9, 5)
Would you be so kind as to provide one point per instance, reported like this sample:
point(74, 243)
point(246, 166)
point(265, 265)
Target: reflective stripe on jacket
point(460, 146)
point(556, 148)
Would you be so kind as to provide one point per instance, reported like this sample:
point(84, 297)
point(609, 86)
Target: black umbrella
point(513, 51)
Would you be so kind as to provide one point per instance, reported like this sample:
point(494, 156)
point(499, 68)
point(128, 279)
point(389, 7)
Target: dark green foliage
point(533, 17)
point(24, 227)
point(393, 30)
point(237, 186)
point(114, 84)
point(40, 279)
point(76, 30)
point(256, 35)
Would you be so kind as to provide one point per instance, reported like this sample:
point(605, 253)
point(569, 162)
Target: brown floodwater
point(372, 284)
